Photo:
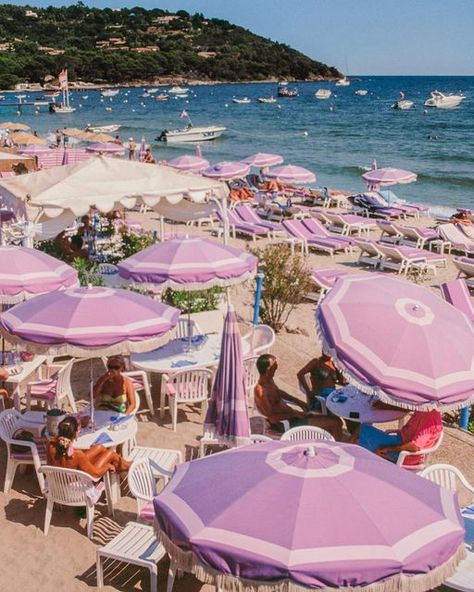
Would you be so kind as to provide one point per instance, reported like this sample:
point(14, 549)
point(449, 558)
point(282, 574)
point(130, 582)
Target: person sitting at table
point(421, 431)
point(113, 390)
point(323, 376)
point(272, 402)
point(96, 461)
point(4, 394)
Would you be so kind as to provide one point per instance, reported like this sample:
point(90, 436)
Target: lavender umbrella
point(189, 162)
point(226, 171)
point(388, 176)
point(35, 149)
point(319, 515)
point(291, 174)
point(25, 273)
point(227, 415)
point(399, 341)
point(263, 159)
point(106, 148)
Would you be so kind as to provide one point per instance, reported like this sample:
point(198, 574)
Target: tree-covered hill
point(136, 44)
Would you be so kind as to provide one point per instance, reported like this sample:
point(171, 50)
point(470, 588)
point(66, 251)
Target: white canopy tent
point(107, 184)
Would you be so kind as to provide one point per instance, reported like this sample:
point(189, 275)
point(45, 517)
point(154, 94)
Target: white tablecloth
point(362, 404)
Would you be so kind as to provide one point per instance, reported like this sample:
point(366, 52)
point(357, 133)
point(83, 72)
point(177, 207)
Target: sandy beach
point(65, 559)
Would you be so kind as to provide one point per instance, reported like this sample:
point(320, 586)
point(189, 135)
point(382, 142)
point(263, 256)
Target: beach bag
point(25, 436)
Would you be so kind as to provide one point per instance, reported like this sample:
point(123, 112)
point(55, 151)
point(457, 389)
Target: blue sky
point(362, 36)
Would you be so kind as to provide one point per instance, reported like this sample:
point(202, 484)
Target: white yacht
point(323, 93)
point(178, 90)
point(361, 92)
point(343, 82)
point(403, 105)
point(266, 100)
point(110, 92)
point(103, 129)
point(191, 134)
point(442, 101)
point(243, 101)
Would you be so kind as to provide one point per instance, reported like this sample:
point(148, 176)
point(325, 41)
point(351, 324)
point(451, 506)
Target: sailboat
point(63, 107)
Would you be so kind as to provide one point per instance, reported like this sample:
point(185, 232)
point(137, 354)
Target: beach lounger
point(457, 239)
point(297, 229)
point(237, 226)
point(324, 279)
point(465, 266)
point(317, 229)
point(391, 198)
point(365, 205)
point(456, 293)
point(249, 215)
point(370, 254)
point(390, 231)
point(467, 229)
point(418, 237)
point(348, 224)
point(403, 259)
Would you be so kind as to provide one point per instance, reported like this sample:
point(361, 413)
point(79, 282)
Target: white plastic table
point(362, 404)
point(17, 380)
point(172, 357)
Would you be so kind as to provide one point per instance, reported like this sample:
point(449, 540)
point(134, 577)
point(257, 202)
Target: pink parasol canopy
point(291, 174)
point(88, 322)
point(106, 148)
point(227, 170)
point(189, 162)
point(388, 176)
point(399, 341)
point(263, 159)
point(189, 263)
point(285, 516)
point(25, 273)
point(35, 149)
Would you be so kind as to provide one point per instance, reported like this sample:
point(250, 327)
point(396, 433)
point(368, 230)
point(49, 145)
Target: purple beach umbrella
point(227, 415)
point(227, 170)
point(106, 148)
point(35, 149)
point(291, 174)
point(263, 159)
point(189, 162)
point(399, 341)
point(285, 516)
point(388, 176)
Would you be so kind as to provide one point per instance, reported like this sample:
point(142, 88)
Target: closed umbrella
point(227, 417)
point(285, 516)
point(399, 341)
point(227, 170)
point(291, 174)
point(189, 162)
point(263, 159)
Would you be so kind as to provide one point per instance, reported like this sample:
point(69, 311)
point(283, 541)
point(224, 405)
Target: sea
point(337, 139)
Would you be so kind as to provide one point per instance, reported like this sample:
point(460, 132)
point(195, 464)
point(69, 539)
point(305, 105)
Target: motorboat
point(178, 90)
point(162, 97)
point(85, 97)
point(181, 95)
point(403, 104)
point(361, 92)
point(191, 134)
point(103, 129)
point(110, 92)
point(289, 93)
point(442, 101)
point(244, 101)
point(266, 100)
point(343, 82)
point(152, 91)
point(323, 93)
point(59, 108)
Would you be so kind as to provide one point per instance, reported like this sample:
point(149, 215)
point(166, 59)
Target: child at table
point(96, 461)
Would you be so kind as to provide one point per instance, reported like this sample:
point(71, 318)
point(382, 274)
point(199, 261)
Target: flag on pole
point(62, 79)
point(184, 113)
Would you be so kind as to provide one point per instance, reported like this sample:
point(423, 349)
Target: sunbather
point(113, 390)
point(323, 376)
point(96, 461)
point(272, 402)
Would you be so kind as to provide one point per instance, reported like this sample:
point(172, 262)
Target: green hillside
point(136, 44)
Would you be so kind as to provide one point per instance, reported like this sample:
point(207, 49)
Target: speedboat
point(343, 82)
point(323, 93)
point(442, 101)
point(361, 92)
point(403, 104)
point(61, 108)
point(103, 129)
point(152, 91)
point(181, 96)
point(191, 134)
point(266, 100)
point(162, 97)
point(178, 90)
point(244, 101)
point(110, 92)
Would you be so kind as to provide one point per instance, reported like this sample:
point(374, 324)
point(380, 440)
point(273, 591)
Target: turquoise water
point(335, 138)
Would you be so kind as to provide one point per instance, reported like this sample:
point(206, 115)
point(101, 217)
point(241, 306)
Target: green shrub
point(199, 301)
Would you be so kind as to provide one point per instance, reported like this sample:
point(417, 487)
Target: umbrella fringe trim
point(212, 437)
point(25, 295)
point(380, 393)
point(187, 561)
point(193, 286)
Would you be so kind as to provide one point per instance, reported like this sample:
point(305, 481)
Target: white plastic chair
point(54, 390)
point(187, 387)
point(422, 453)
point(260, 339)
point(250, 376)
point(258, 438)
point(141, 383)
point(10, 421)
point(162, 460)
point(306, 433)
point(69, 487)
point(448, 476)
point(142, 484)
point(182, 329)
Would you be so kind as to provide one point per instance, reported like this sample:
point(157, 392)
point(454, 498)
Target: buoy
point(305, 133)
point(331, 108)
point(226, 105)
point(133, 110)
point(278, 106)
point(80, 105)
point(18, 112)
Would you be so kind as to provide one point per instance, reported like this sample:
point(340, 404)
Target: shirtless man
point(271, 402)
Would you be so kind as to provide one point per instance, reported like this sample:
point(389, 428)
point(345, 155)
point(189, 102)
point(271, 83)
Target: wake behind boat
point(442, 101)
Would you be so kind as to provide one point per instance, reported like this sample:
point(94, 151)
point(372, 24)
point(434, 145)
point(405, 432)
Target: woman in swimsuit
point(113, 390)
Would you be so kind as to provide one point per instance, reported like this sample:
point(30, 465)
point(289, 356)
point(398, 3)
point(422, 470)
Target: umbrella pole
point(189, 321)
point(162, 229)
point(91, 377)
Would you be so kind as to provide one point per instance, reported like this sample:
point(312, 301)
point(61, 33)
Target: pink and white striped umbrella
point(106, 148)
point(291, 174)
point(399, 341)
point(189, 162)
point(89, 322)
point(227, 170)
point(263, 159)
point(388, 176)
point(189, 263)
point(25, 273)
